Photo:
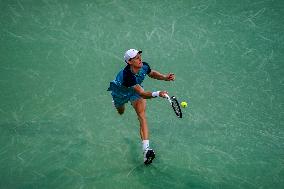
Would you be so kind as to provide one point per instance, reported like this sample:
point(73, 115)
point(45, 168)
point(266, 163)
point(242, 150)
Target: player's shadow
point(133, 155)
point(159, 174)
point(155, 176)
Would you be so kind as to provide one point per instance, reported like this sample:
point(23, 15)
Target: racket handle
point(167, 96)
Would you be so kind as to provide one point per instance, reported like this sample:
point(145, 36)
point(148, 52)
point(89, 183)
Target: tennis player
point(127, 87)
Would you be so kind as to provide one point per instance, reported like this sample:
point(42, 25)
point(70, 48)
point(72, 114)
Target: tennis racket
point(174, 102)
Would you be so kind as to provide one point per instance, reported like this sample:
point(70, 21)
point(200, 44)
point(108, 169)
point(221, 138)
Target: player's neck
point(134, 70)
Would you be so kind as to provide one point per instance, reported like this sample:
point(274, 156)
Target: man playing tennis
point(127, 87)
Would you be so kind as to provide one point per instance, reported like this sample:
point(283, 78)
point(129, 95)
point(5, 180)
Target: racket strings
point(176, 107)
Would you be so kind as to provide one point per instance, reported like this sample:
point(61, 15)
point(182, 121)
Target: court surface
point(58, 128)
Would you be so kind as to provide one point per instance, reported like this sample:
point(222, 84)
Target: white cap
point(131, 53)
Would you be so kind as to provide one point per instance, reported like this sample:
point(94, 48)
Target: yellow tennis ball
point(183, 104)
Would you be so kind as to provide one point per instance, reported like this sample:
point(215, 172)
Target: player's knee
point(141, 115)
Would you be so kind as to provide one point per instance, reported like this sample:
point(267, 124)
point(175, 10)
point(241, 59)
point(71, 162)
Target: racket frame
point(170, 99)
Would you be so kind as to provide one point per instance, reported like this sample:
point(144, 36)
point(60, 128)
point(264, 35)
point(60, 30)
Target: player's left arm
point(157, 75)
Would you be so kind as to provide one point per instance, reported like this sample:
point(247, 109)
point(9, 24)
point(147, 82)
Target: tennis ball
point(183, 104)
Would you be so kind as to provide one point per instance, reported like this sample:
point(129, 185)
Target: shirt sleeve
point(148, 69)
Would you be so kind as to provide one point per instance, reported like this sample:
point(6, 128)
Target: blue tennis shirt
point(125, 80)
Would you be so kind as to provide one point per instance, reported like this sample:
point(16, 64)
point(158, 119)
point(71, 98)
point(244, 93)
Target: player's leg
point(140, 107)
point(119, 102)
point(120, 109)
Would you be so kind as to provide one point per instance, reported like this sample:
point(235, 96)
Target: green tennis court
point(58, 127)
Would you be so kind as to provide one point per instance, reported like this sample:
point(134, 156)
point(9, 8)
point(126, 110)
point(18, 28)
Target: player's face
point(137, 61)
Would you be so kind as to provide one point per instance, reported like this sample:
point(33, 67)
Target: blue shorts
point(121, 95)
point(120, 100)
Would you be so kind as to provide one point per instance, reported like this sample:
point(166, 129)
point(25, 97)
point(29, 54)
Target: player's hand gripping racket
point(173, 101)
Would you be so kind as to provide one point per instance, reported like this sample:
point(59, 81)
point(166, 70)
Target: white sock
point(145, 144)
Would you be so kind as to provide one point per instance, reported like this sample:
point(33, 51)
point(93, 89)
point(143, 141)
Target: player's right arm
point(147, 94)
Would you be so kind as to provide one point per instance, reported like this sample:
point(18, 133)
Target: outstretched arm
point(148, 94)
point(157, 75)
